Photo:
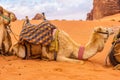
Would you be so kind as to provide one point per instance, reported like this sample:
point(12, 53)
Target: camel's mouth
point(105, 32)
point(110, 31)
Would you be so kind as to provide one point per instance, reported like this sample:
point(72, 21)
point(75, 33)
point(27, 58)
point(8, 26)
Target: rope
point(13, 33)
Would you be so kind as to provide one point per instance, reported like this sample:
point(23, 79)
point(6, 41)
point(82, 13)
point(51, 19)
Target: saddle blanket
point(38, 34)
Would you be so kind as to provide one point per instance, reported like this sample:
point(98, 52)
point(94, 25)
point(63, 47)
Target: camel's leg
point(47, 55)
point(117, 67)
point(21, 52)
point(7, 46)
point(1, 40)
point(69, 60)
point(7, 43)
point(44, 53)
point(1, 37)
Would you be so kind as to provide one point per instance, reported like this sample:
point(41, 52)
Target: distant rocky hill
point(38, 16)
point(102, 8)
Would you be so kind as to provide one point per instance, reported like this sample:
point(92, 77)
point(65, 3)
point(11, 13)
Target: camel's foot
point(4, 53)
point(8, 54)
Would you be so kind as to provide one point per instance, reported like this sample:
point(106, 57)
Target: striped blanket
point(37, 34)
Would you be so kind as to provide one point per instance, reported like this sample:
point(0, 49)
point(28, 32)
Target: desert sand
point(14, 68)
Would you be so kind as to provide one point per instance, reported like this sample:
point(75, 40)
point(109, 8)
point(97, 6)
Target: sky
point(54, 9)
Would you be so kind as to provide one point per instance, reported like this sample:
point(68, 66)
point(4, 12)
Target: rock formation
point(102, 8)
point(38, 16)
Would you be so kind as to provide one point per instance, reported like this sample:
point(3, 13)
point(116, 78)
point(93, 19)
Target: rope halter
point(5, 17)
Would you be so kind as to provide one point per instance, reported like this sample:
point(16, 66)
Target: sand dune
point(115, 17)
point(13, 68)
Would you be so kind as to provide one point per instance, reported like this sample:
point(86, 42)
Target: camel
point(5, 40)
point(69, 50)
point(114, 55)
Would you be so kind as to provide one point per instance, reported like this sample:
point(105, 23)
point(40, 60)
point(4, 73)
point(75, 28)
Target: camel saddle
point(38, 34)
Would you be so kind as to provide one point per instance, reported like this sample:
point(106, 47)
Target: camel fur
point(68, 47)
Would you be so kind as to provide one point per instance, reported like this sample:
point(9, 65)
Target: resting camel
point(5, 40)
point(69, 50)
point(114, 55)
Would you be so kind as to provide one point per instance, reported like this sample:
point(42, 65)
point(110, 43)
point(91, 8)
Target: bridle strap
point(104, 33)
point(5, 17)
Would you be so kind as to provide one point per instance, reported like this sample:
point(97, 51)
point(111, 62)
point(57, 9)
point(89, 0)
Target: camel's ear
point(97, 29)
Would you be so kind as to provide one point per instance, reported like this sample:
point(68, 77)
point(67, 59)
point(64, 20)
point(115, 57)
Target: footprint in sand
point(58, 69)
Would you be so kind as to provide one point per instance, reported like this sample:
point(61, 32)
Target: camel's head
point(7, 15)
point(105, 32)
point(18, 49)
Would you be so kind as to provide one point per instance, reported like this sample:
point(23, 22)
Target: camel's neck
point(1, 25)
point(93, 46)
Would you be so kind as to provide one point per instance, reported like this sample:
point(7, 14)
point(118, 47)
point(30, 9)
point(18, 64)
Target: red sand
point(13, 68)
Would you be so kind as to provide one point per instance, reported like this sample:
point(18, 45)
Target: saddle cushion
point(38, 34)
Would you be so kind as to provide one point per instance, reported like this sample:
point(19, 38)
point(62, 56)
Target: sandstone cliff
point(102, 8)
